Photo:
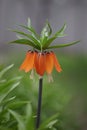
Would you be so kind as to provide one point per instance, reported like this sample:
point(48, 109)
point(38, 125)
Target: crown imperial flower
point(40, 59)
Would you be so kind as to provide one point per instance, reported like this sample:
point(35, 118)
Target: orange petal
point(49, 63)
point(56, 63)
point(24, 64)
point(40, 63)
point(28, 63)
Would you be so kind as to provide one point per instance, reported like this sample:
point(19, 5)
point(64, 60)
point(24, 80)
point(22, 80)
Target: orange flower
point(40, 61)
point(28, 63)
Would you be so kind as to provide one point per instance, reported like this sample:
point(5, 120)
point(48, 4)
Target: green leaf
point(21, 125)
point(5, 70)
point(46, 31)
point(51, 123)
point(17, 104)
point(29, 23)
point(60, 33)
point(63, 45)
point(4, 95)
point(29, 118)
point(28, 36)
point(19, 37)
point(49, 29)
point(47, 122)
point(7, 101)
point(49, 41)
point(25, 42)
point(28, 112)
point(4, 86)
point(30, 30)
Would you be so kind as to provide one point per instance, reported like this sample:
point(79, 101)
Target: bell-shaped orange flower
point(40, 61)
point(56, 63)
point(28, 63)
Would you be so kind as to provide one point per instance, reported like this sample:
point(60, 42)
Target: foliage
point(42, 42)
point(12, 117)
point(7, 86)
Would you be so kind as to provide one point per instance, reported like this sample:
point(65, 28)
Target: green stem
point(39, 103)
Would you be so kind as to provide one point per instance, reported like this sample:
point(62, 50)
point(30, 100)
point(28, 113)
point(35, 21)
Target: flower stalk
point(39, 103)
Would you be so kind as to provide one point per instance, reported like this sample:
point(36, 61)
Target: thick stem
point(39, 103)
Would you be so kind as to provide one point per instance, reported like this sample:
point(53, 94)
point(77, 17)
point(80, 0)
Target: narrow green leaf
point(60, 33)
point(63, 45)
point(5, 70)
point(49, 28)
point(30, 30)
point(25, 42)
point(8, 83)
point(28, 112)
point(49, 41)
point(8, 100)
point(29, 23)
point(46, 31)
point(46, 122)
point(17, 104)
point(19, 37)
point(51, 123)
point(21, 125)
point(28, 36)
point(29, 119)
point(3, 96)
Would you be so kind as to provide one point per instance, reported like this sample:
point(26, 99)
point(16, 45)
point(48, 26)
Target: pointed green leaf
point(51, 123)
point(49, 41)
point(47, 122)
point(29, 119)
point(21, 125)
point(3, 96)
point(5, 70)
point(30, 30)
point(29, 23)
point(48, 27)
point(63, 45)
point(28, 36)
point(25, 42)
point(17, 104)
point(60, 33)
point(46, 31)
point(28, 112)
point(19, 37)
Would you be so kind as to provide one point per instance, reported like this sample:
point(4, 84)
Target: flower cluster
point(41, 62)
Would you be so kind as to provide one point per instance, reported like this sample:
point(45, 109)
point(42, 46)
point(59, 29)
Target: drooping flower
point(40, 60)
